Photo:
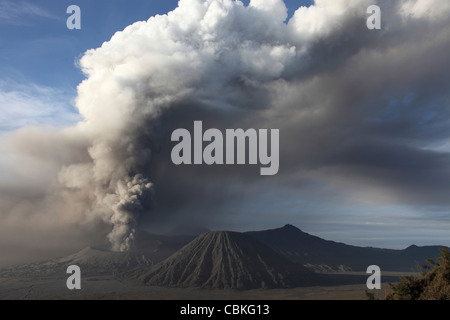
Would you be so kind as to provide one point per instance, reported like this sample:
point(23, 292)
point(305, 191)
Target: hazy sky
point(363, 118)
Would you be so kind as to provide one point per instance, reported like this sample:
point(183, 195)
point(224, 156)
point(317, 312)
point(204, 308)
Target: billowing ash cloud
point(342, 96)
point(203, 52)
point(144, 70)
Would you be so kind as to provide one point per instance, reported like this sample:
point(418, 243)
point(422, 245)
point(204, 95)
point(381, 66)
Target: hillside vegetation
point(432, 284)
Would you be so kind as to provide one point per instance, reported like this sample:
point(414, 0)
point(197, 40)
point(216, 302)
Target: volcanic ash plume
point(308, 76)
point(131, 195)
point(186, 55)
point(215, 53)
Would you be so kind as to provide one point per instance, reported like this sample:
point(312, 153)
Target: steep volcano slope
point(219, 260)
point(324, 255)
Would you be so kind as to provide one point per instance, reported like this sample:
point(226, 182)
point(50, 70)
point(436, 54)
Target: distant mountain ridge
point(278, 258)
point(325, 255)
point(91, 260)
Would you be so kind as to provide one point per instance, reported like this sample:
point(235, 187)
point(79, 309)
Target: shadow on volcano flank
point(222, 259)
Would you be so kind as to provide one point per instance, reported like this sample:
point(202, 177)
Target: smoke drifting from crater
point(203, 52)
point(322, 78)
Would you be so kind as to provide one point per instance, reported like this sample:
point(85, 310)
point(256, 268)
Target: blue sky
point(38, 54)
point(39, 48)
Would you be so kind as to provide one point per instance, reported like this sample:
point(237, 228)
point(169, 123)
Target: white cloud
point(19, 12)
point(430, 9)
point(32, 105)
point(325, 16)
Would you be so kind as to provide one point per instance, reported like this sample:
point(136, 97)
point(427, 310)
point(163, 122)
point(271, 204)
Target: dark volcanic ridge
point(92, 262)
point(277, 258)
point(221, 260)
point(329, 256)
point(149, 249)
